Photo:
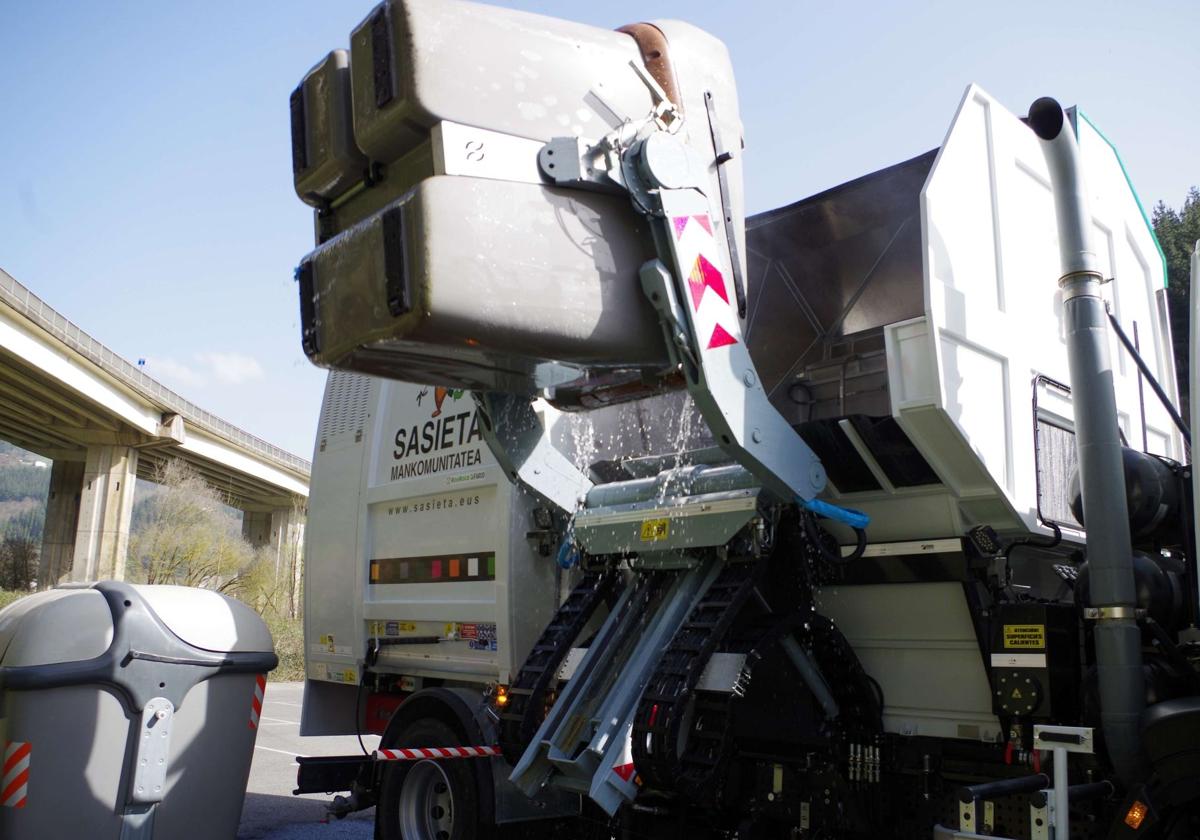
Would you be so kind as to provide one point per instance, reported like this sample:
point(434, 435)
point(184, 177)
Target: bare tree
point(187, 535)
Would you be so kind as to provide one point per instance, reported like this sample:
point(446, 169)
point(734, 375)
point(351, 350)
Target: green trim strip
point(1128, 181)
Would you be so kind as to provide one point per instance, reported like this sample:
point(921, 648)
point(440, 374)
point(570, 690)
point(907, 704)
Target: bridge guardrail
point(43, 315)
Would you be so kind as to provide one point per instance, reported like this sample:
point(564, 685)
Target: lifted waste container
point(128, 712)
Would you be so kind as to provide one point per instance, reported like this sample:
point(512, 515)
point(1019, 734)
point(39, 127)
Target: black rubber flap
point(381, 51)
point(395, 277)
point(309, 339)
point(299, 131)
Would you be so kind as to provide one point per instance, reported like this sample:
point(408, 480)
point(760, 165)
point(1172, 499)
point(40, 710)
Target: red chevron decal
point(720, 338)
point(681, 222)
point(705, 275)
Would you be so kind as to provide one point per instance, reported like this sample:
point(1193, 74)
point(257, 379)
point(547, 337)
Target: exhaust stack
point(1098, 444)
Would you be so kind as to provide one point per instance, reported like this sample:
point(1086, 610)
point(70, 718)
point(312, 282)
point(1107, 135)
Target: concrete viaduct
point(103, 422)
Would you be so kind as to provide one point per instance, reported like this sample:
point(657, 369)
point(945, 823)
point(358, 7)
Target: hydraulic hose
point(854, 519)
point(1098, 444)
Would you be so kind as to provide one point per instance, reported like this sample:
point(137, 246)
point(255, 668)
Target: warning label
point(654, 530)
point(1025, 636)
point(391, 628)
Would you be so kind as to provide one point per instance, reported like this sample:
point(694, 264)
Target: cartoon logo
point(439, 397)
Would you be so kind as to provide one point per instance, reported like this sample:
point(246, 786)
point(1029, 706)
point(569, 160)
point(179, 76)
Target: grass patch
point(7, 596)
point(288, 634)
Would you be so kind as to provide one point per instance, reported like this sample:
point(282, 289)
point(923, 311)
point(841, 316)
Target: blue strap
point(856, 519)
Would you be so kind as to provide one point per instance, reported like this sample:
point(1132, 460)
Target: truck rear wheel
point(431, 800)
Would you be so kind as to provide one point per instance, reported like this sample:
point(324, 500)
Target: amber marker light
point(501, 696)
point(1136, 814)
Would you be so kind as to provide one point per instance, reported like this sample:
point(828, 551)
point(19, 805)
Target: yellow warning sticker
point(1025, 636)
point(654, 530)
point(390, 628)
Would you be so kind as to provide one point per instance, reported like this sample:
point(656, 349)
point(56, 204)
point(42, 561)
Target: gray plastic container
point(128, 712)
point(460, 261)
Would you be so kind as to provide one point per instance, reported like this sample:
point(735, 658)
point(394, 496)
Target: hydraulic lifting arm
point(661, 163)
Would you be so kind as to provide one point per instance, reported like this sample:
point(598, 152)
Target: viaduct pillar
point(281, 531)
point(62, 521)
point(105, 512)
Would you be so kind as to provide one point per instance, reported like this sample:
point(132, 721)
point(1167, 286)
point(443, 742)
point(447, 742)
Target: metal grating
point(1056, 460)
point(346, 401)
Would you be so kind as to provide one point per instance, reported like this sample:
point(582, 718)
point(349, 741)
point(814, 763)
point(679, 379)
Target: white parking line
point(281, 720)
point(281, 752)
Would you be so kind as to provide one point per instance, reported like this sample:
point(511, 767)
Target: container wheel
point(430, 800)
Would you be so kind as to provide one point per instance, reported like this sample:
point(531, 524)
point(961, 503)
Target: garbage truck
point(869, 516)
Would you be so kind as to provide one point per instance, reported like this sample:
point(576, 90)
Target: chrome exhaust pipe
point(1098, 445)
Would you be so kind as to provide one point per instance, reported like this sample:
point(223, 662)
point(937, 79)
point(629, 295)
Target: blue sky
point(145, 185)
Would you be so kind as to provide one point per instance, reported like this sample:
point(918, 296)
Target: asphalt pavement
point(271, 812)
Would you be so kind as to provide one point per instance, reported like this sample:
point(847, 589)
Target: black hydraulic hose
point(362, 684)
point(1035, 542)
point(816, 534)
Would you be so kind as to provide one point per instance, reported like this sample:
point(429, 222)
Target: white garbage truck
point(870, 516)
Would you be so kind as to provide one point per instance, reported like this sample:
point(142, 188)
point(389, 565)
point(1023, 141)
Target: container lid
point(60, 625)
point(208, 620)
point(74, 624)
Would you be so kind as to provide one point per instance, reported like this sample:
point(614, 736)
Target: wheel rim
point(426, 803)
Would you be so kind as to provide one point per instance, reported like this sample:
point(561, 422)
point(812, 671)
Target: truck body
point(757, 527)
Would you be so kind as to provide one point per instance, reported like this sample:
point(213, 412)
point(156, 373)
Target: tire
point(431, 800)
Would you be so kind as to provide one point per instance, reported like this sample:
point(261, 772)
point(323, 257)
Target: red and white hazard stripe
point(14, 778)
point(700, 258)
point(419, 753)
point(623, 766)
point(260, 688)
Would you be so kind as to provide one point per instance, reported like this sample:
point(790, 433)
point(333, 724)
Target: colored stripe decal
point(422, 753)
point(441, 568)
point(260, 690)
point(14, 778)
